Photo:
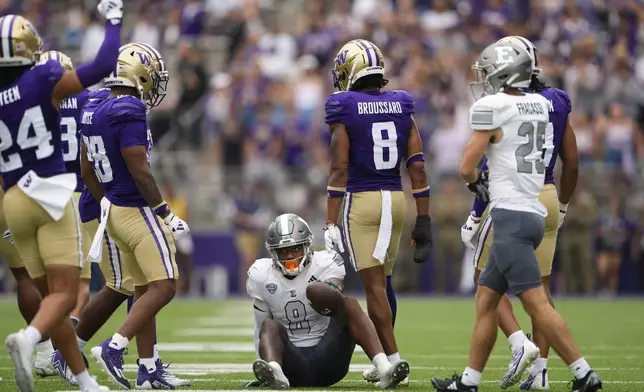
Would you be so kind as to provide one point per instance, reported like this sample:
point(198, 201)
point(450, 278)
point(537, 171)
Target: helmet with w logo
point(355, 60)
point(140, 66)
point(20, 43)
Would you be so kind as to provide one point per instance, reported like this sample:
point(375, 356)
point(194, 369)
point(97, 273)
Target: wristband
point(422, 192)
point(335, 286)
point(161, 209)
point(335, 192)
point(419, 157)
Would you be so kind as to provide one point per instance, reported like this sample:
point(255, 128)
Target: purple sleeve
point(50, 72)
point(133, 133)
point(478, 207)
point(408, 102)
point(334, 110)
point(105, 60)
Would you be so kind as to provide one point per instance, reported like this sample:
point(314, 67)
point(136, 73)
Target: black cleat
point(590, 383)
point(453, 384)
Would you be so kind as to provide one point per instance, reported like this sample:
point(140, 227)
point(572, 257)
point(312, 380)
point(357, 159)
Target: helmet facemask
point(158, 90)
point(292, 259)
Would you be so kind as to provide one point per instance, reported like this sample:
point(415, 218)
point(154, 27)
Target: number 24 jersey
point(286, 298)
point(378, 124)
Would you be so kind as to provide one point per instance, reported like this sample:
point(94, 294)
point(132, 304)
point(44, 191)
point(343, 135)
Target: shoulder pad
point(100, 93)
point(564, 98)
point(407, 100)
point(48, 72)
point(485, 112)
point(257, 272)
point(127, 108)
point(335, 107)
point(82, 97)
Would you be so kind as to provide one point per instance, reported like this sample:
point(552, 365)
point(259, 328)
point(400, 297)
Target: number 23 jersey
point(286, 298)
point(517, 163)
point(378, 124)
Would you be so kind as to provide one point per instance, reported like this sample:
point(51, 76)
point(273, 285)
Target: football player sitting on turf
point(305, 328)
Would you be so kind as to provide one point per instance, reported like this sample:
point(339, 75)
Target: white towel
point(386, 226)
point(95, 252)
point(52, 193)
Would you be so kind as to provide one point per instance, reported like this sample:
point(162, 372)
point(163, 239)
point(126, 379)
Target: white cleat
point(397, 373)
point(22, 354)
point(270, 373)
point(536, 382)
point(522, 359)
point(43, 365)
point(372, 375)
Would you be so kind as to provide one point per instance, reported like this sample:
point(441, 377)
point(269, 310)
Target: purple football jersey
point(70, 112)
point(559, 111)
point(378, 124)
point(30, 125)
point(88, 207)
point(116, 123)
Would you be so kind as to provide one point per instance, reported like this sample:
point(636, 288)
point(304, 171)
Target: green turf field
point(212, 343)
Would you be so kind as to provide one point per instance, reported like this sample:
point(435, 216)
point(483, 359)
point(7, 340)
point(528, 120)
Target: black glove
point(422, 236)
point(480, 187)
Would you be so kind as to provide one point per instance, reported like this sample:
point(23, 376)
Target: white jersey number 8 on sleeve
point(384, 145)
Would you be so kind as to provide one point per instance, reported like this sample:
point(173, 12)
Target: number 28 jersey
point(30, 125)
point(110, 126)
point(378, 124)
point(286, 298)
point(517, 163)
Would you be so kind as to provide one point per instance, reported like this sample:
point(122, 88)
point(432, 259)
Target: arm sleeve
point(334, 109)
point(133, 133)
point(485, 116)
point(408, 102)
point(105, 60)
point(261, 312)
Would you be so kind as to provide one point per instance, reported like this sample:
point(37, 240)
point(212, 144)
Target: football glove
point(333, 238)
point(469, 230)
point(422, 238)
point(563, 209)
point(112, 10)
point(7, 236)
point(178, 227)
point(480, 187)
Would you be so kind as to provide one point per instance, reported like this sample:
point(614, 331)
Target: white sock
point(395, 357)
point(538, 366)
point(155, 354)
point(471, 377)
point(119, 342)
point(381, 362)
point(579, 368)
point(81, 343)
point(516, 339)
point(85, 380)
point(33, 335)
point(45, 347)
point(149, 364)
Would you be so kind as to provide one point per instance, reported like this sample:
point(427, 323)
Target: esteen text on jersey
point(69, 103)
point(386, 107)
point(530, 108)
point(10, 95)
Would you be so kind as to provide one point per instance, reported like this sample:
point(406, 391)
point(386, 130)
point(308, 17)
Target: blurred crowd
point(241, 136)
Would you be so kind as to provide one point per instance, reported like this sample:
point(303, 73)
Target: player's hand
point(112, 10)
point(7, 236)
point(469, 230)
point(333, 238)
point(421, 239)
point(480, 187)
point(178, 227)
point(563, 209)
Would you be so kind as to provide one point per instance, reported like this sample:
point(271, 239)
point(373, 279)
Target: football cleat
point(171, 378)
point(372, 375)
point(151, 380)
point(453, 384)
point(521, 359)
point(60, 367)
point(536, 382)
point(111, 361)
point(590, 383)
point(98, 388)
point(395, 375)
point(270, 373)
point(22, 354)
point(43, 365)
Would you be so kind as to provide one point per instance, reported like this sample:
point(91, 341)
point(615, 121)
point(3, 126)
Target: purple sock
point(391, 297)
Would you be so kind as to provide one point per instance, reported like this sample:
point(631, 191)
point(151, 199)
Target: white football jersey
point(286, 298)
point(517, 163)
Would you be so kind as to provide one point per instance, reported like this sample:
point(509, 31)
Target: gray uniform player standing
point(504, 121)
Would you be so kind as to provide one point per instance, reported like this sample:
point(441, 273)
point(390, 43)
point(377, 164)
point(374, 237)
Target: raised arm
point(73, 82)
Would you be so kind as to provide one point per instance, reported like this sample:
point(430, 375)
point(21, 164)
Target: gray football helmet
point(501, 66)
point(285, 231)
